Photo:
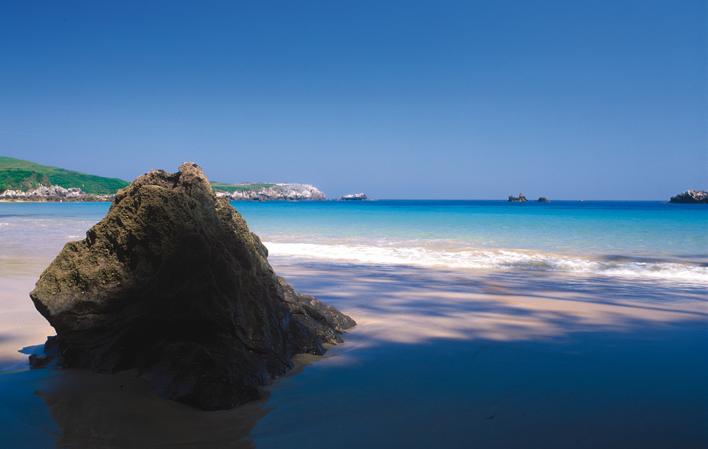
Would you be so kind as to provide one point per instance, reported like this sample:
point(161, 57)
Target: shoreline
point(460, 256)
point(22, 327)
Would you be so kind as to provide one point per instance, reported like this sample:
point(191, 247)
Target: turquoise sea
point(655, 241)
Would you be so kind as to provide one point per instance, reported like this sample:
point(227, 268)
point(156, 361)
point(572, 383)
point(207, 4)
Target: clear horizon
point(531, 198)
point(402, 100)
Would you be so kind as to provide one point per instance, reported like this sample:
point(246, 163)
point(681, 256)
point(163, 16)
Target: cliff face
point(171, 283)
point(279, 192)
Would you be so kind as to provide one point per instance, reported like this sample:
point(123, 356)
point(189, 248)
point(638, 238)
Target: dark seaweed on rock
point(171, 283)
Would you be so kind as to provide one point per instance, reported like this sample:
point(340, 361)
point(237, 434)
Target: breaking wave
point(489, 259)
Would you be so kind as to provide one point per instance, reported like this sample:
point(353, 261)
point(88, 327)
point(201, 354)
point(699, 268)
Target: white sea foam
point(489, 259)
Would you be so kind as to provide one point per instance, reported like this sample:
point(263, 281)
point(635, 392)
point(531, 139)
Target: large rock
point(172, 284)
point(691, 196)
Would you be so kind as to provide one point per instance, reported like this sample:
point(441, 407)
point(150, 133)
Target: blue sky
point(401, 99)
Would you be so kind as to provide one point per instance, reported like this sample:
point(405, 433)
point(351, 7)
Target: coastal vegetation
point(17, 174)
point(240, 187)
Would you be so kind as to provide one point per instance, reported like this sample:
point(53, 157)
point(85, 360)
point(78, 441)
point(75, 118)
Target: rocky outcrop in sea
point(51, 193)
point(517, 199)
point(293, 192)
point(172, 285)
point(354, 197)
point(691, 196)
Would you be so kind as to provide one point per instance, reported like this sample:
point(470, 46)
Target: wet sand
point(68, 408)
point(497, 360)
point(403, 304)
point(439, 358)
point(120, 411)
point(21, 326)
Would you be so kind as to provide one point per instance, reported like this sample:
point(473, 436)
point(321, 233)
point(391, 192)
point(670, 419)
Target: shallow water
point(599, 228)
point(656, 241)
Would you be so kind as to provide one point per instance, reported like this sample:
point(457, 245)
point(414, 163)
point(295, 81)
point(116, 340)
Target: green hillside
point(24, 175)
point(17, 174)
point(225, 187)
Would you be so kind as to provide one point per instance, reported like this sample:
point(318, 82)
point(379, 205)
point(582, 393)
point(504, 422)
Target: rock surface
point(173, 285)
point(691, 196)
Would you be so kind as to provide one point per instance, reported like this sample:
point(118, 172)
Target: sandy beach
point(455, 358)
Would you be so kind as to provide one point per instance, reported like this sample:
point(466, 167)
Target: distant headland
point(268, 192)
point(27, 181)
point(22, 180)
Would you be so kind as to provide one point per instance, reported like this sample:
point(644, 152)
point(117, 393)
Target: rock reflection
point(120, 411)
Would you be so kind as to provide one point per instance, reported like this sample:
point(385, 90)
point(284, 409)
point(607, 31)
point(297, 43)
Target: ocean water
point(655, 241)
